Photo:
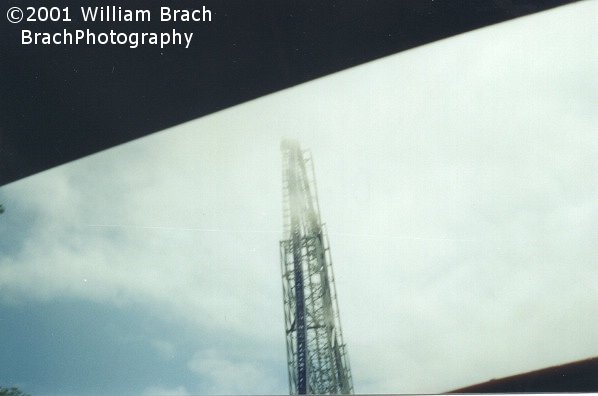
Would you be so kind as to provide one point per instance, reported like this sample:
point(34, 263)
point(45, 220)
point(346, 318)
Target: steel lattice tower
point(316, 355)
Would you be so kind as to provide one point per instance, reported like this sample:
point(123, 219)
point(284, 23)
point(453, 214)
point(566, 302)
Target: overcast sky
point(458, 182)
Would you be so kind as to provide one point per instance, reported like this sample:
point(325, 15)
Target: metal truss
point(317, 358)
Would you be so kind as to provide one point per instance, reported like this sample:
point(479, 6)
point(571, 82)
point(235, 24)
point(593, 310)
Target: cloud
point(231, 375)
point(166, 349)
point(162, 391)
point(140, 256)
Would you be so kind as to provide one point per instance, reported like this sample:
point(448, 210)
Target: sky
point(457, 180)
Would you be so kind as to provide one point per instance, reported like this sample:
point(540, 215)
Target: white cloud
point(162, 391)
point(166, 349)
point(228, 375)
